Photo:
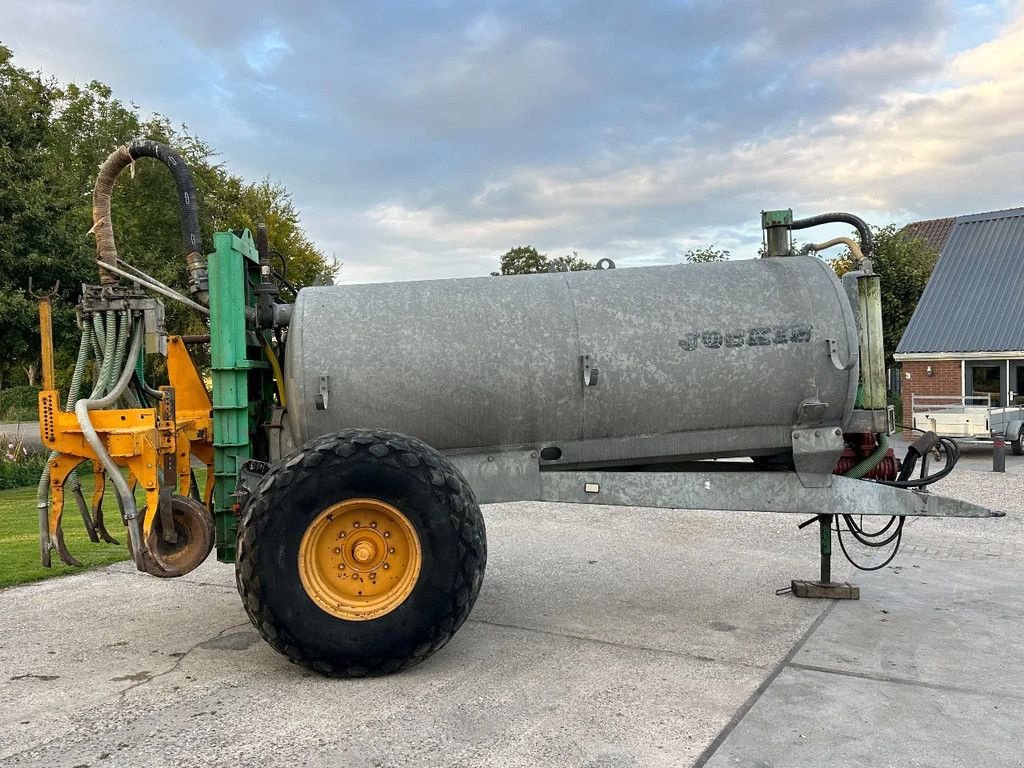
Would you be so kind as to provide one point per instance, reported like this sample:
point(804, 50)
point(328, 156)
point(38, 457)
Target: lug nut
point(387, 534)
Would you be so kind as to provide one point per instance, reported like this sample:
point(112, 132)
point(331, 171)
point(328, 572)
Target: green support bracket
point(238, 369)
point(781, 218)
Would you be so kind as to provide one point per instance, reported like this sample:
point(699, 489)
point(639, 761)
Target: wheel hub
point(359, 559)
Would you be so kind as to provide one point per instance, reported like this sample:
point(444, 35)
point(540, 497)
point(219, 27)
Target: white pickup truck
point(969, 419)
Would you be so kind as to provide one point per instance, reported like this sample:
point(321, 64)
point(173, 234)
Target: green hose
point(110, 342)
point(123, 331)
point(872, 461)
point(76, 377)
point(99, 333)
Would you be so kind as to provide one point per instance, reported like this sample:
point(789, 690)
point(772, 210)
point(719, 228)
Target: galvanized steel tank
point(692, 360)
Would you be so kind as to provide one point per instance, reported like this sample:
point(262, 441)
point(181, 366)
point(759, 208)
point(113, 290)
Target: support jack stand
point(825, 587)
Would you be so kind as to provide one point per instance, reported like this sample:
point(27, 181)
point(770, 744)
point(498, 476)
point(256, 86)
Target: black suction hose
point(867, 243)
point(186, 188)
point(119, 159)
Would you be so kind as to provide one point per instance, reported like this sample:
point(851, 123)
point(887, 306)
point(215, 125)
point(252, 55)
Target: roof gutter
point(1004, 355)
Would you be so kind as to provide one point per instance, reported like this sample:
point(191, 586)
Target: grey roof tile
point(974, 300)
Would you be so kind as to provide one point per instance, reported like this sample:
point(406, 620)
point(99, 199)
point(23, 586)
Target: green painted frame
point(240, 376)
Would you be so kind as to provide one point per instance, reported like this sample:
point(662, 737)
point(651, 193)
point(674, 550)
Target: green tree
point(904, 263)
point(31, 212)
point(52, 139)
point(706, 255)
point(525, 260)
point(268, 202)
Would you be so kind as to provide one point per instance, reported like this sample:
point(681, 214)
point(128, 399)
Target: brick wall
point(945, 380)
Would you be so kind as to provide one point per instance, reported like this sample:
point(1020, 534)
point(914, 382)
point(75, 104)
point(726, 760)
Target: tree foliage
point(706, 255)
point(53, 137)
point(904, 263)
point(525, 260)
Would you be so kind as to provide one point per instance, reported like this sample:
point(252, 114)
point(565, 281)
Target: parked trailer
point(971, 420)
point(353, 432)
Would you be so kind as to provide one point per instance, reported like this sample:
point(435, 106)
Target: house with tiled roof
point(966, 336)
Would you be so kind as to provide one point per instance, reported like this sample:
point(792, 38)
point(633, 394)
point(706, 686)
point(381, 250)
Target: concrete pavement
point(602, 637)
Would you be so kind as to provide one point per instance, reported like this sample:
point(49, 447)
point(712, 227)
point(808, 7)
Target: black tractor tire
point(1017, 446)
point(357, 464)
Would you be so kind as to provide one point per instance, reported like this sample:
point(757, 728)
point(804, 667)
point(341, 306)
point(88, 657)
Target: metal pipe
point(825, 529)
point(866, 240)
point(139, 273)
point(124, 494)
point(157, 288)
point(858, 255)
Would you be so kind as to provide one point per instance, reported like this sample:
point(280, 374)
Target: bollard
point(999, 455)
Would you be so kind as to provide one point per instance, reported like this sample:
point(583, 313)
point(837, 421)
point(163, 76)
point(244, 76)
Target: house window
point(985, 381)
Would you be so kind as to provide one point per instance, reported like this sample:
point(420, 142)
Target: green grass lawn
point(19, 536)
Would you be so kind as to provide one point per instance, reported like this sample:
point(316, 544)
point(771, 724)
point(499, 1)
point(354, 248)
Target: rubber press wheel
point(360, 553)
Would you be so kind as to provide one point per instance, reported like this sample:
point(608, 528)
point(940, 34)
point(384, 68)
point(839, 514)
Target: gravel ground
point(955, 539)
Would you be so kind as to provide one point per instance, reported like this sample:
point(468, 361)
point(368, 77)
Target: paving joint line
point(737, 718)
point(882, 678)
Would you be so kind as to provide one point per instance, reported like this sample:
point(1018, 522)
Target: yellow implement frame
point(142, 440)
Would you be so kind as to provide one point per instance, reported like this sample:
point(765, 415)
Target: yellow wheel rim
point(359, 559)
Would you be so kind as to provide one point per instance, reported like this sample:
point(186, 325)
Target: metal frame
point(236, 357)
point(720, 485)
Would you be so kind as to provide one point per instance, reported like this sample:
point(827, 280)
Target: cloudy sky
point(423, 139)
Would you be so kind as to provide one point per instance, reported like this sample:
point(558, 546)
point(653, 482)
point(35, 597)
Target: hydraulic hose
point(106, 251)
point(867, 242)
point(275, 366)
point(126, 499)
point(140, 377)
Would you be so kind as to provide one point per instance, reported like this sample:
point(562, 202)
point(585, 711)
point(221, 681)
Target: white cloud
point(953, 145)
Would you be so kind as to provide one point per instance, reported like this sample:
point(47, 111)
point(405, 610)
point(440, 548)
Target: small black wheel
point(360, 553)
point(1017, 446)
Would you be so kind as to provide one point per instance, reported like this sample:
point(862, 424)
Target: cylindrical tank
point(705, 359)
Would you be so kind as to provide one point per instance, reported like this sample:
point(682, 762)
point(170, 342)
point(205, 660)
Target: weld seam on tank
point(579, 351)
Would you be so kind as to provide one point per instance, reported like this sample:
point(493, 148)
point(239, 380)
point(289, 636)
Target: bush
point(896, 400)
point(18, 467)
point(19, 404)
